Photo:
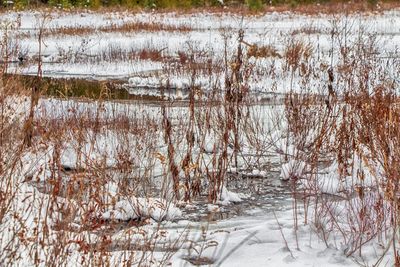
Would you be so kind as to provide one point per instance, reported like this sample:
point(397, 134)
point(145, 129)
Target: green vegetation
point(254, 4)
point(73, 87)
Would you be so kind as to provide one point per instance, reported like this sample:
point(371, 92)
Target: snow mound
point(227, 197)
point(172, 82)
point(137, 208)
point(213, 208)
point(292, 169)
point(330, 181)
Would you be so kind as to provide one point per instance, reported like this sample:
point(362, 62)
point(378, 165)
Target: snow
point(263, 238)
point(140, 208)
point(294, 169)
point(213, 208)
point(258, 238)
point(90, 55)
point(258, 241)
point(227, 197)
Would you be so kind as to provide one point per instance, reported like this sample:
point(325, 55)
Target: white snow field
point(94, 51)
point(97, 187)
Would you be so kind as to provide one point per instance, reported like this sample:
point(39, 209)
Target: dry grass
point(71, 199)
point(309, 30)
point(356, 128)
point(129, 27)
point(357, 117)
point(263, 51)
point(334, 7)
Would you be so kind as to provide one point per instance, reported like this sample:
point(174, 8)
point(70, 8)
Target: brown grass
point(357, 119)
point(124, 28)
point(263, 51)
point(337, 128)
point(334, 7)
point(308, 30)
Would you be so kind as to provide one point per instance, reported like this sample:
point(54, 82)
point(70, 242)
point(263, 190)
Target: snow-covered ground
point(97, 145)
point(260, 235)
point(102, 54)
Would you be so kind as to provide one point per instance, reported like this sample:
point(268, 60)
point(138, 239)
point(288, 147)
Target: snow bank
point(292, 169)
point(228, 197)
point(181, 82)
point(330, 180)
point(138, 208)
